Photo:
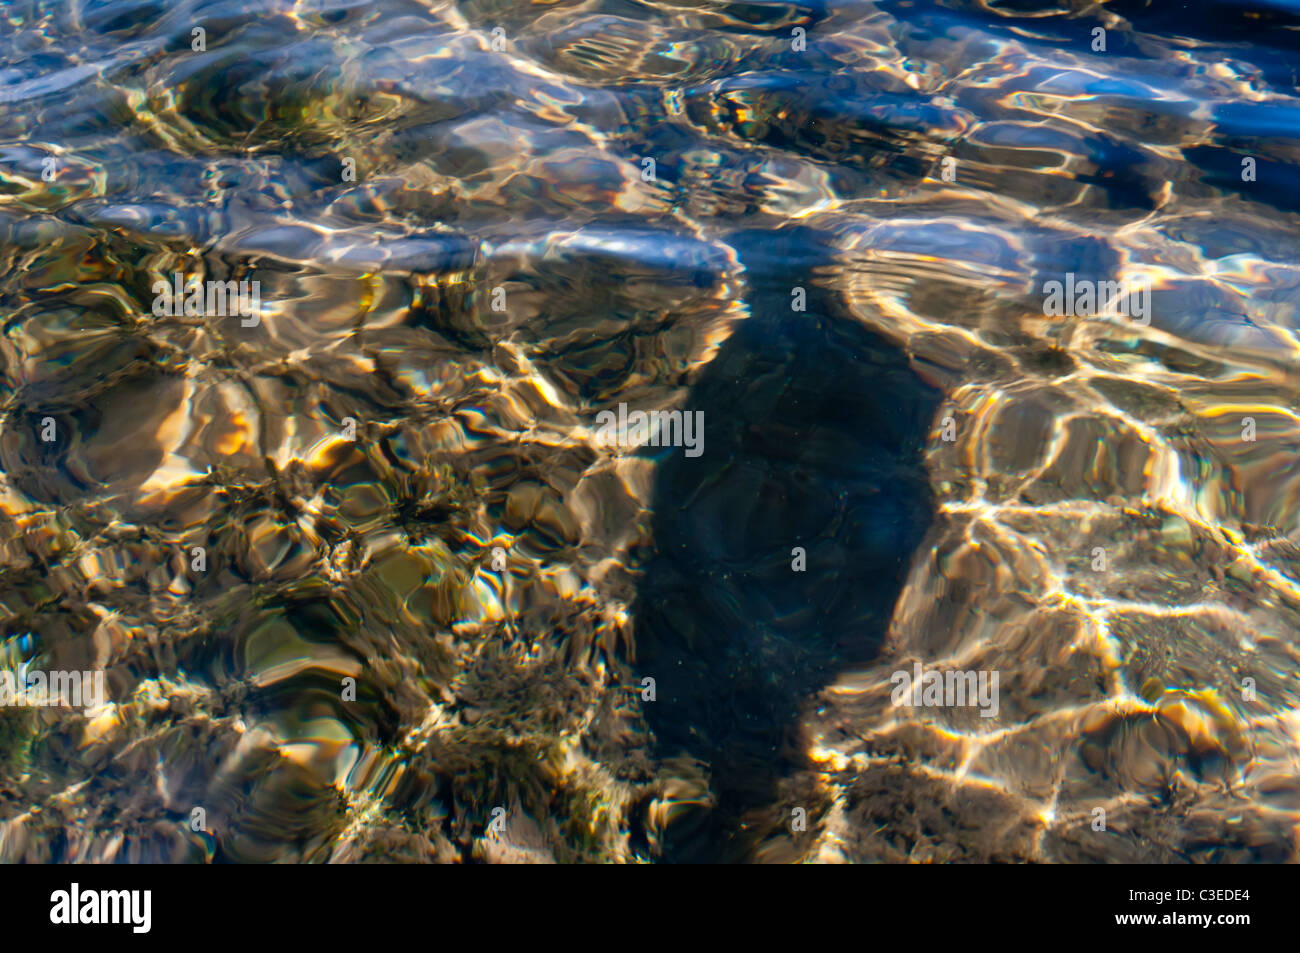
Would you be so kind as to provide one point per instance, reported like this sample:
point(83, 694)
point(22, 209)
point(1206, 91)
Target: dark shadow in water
point(813, 434)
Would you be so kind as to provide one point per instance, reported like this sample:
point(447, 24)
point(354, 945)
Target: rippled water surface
point(370, 580)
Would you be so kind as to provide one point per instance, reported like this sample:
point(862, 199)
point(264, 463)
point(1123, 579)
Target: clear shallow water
point(516, 683)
